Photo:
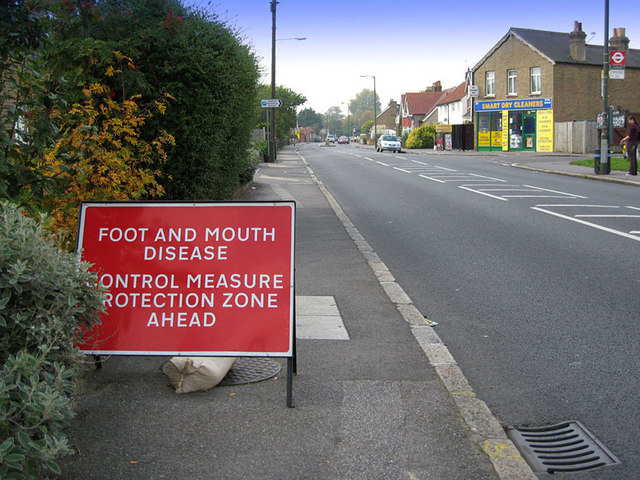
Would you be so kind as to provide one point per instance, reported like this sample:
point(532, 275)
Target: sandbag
point(192, 374)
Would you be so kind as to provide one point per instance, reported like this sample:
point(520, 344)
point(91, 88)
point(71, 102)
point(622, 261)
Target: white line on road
point(607, 216)
point(589, 224)
point(431, 178)
point(489, 178)
point(575, 205)
point(556, 191)
point(482, 193)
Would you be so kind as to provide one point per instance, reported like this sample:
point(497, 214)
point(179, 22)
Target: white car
point(388, 142)
point(331, 139)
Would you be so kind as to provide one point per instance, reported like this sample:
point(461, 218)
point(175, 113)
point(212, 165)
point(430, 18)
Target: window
point(490, 84)
point(511, 82)
point(536, 80)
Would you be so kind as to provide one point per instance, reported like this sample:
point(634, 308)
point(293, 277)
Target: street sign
point(271, 103)
point(204, 279)
point(617, 58)
point(617, 62)
point(474, 91)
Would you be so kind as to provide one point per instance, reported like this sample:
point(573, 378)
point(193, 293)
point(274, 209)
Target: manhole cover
point(250, 370)
point(564, 447)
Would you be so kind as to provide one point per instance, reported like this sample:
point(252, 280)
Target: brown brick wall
point(577, 92)
point(388, 117)
point(574, 88)
point(514, 54)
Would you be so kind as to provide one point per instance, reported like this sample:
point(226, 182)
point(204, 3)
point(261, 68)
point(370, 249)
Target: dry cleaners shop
point(515, 125)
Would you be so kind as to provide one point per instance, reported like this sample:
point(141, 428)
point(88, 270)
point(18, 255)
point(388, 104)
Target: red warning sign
point(192, 279)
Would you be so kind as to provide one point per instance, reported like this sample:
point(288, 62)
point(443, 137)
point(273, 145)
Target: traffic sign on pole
point(617, 63)
point(271, 103)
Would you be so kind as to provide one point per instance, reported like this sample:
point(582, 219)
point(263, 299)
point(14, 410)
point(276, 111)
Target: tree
point(59, 151)
point(213, 76)
point(361, 109)
point(100, 155)
point(362, 105)
point(309, 118)
point(333, 120)
point(285, 114)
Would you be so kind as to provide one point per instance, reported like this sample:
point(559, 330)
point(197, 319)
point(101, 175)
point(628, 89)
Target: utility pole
point(605, 166)
point(272, 111)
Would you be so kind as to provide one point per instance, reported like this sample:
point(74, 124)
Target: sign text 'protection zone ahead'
point(208, 279)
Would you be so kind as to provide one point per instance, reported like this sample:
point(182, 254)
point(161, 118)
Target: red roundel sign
point(191, 279)
point(617, 58)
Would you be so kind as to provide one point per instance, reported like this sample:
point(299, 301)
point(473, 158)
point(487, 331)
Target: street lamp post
point(375, 113)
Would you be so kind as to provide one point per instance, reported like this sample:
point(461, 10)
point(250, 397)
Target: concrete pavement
point(377, 395)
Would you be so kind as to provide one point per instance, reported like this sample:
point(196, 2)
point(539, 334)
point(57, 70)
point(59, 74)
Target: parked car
point(388, 142)
point(343, 139)
point(331, 139)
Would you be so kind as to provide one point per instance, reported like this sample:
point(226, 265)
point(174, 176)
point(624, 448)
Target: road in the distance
point(533, 278)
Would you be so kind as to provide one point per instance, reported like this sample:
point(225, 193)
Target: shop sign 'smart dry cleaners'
point(515, 125)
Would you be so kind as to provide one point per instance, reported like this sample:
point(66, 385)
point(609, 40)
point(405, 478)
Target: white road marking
point(583, 222)
point(556, 191)
point(481, 192)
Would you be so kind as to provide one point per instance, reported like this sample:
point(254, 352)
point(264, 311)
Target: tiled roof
point(420, 103)
point(555, 46)
point(453, 94)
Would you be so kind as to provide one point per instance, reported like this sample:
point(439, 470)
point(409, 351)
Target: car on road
point(388, 142)
point(343, 139)
point(331, 139)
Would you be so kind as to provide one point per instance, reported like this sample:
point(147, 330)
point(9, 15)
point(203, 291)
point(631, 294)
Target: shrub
point(46, 294)
point(421, 137)
point(262, 148)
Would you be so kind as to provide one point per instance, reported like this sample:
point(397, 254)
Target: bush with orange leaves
point(101, 155)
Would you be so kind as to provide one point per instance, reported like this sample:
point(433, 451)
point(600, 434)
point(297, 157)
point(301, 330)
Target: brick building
point(415, 106)
point(532, 79)
point(388, 118)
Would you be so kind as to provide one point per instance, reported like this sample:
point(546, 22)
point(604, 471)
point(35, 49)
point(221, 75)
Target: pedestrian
point(631, 140)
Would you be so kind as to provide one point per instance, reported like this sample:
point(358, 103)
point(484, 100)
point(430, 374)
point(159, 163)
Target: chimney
point(619, 41)
point(576, 43)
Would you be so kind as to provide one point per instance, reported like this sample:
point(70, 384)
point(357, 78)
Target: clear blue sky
point(406, 44)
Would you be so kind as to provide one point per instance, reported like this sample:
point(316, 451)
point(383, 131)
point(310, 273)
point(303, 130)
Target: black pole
point(272, 136)
point(605, 165)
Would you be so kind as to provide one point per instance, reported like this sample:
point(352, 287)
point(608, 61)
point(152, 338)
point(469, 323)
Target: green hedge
point(422, 137)
point(45, 295)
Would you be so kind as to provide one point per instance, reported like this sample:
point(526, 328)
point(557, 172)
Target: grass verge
point(621, 164)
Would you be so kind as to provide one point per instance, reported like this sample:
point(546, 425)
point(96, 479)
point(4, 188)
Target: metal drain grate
point(251, 370)
point(564, 447)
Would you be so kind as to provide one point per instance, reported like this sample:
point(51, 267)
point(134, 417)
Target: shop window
point(512, 76)
point(490, 84)
point(536, 80)
point(515, 130)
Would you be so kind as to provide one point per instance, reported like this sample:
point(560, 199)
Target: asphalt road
point(534, 280)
